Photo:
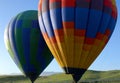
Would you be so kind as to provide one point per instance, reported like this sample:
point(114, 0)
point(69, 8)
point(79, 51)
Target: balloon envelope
point(26, 45)
point(76, 31)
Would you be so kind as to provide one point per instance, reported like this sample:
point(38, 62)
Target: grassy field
point(89, 77)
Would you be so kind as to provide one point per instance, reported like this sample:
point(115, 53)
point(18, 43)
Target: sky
point(109, 59)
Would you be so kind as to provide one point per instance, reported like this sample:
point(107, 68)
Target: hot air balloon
point(76, 31)
point(26, 45)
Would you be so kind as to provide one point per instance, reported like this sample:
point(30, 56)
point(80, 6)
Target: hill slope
point(102, 76)
point(89, 77)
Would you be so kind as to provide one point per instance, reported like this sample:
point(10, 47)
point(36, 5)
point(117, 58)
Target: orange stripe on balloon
point(87, 47)
point(53, 39)
point(40, 5)
point(59, 33)
point(45, 36)
point(97, 41)
point(52, 44)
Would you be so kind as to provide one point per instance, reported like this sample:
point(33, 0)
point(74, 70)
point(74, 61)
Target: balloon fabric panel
point(76, 31)
point(26, 44)
point(9, 48)
point(23, 42)
point(12, 42)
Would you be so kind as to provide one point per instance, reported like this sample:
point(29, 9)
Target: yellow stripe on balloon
point(84, 55)
point(68, 28)
point(79, 41)
point(52, 48)
point(113, 2)
point(96, 50)
point(59, 35)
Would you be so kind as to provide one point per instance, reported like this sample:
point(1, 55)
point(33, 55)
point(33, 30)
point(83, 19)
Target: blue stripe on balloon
point(56, 18)
point(29, 68)
point(97, 4)
point(40, 57)
point(48, 25)
point(12, 41)
point(81, 18)
point(19, 23)
point(68, 14)
point(41, 61)
point(35, 24)
point(93, 23)
point(104, 22)
point(111, 25)
point(41, 23)
point(26, 45)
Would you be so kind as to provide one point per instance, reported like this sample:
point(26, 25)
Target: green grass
point(89, 77)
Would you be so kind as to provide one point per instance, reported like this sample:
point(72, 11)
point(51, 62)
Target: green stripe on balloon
point(18, 38)
point(34, 46)
point(29, 50)
point(8, 46)
point(46, 52)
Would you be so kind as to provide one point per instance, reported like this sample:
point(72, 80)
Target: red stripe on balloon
point(114, 12)
point(100, 36)
point(60, 34)
point(68, 3)
point(59, 31)
point(68, 25)
point(107, 33)
point(89, 41)
point(108, 3)
point(53, 39)
point(79, 32)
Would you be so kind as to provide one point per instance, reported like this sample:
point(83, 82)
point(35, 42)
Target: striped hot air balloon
point(26, 45)
point(76, 31)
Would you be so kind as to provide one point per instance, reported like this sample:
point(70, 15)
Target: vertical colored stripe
point(25, 46)
point(55, 15)
point(47, 21)
point(81, 18)
point(77, 30)
point(36, 49)
point(56, 20)
point(93, 23)
point(50, 33)
point(13, 43)
point(19, 46)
